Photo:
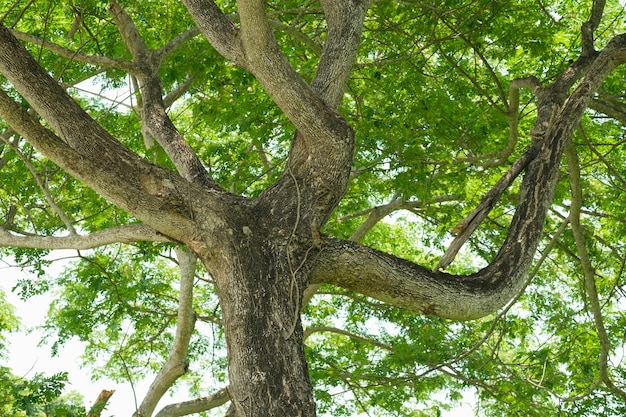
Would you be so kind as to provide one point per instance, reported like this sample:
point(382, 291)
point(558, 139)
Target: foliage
point(429, 102)
point(37, 397)
point(8, 322)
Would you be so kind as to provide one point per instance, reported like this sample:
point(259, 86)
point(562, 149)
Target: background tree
point(38, 396)
point(272, 154)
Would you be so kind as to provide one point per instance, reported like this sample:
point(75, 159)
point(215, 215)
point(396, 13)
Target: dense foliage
point(430, 101)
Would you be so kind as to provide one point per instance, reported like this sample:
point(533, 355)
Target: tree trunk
point(260, 287)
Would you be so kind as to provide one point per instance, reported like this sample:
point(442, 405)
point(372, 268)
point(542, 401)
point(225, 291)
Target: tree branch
point(322, 149)
point(610, 106)
point(464, 229)
point(151, 193)
point(176, 364)
point(310, 115)
point(44, 189)
point(51, 101)
point(471, 78)
point(176, 42)
point(573, 167)
point(376, 215)
point(181, 88)
point(101, 61)
point(589, 27)
point(219, 30)
point(404, 284)
point(613, 55)
point(153, 115)
point(320, 161)
point(122, 234)
point(531, 83)
point(326, 329)
point(345, 23)
point(296, 34)
point(410, 286)
point(610, 168)
point(195, 406)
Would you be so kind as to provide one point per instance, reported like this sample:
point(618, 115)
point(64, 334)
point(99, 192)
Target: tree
point(257, 155)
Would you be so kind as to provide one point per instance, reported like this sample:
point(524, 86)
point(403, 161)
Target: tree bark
point(260, 274)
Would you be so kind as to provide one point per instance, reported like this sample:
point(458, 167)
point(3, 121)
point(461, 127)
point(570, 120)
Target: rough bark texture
point(264, 252)
point(260, 286)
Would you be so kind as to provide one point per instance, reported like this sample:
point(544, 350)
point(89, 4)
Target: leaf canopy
point(430, 105)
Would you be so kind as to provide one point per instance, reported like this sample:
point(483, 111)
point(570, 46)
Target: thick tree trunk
point(260, 288)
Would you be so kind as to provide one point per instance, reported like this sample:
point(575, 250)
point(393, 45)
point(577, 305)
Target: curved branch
point(375, 215)
point(404, 284)
point(176, 364)
point(531, 83)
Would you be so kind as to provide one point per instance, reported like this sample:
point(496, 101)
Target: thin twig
point(46, 192)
